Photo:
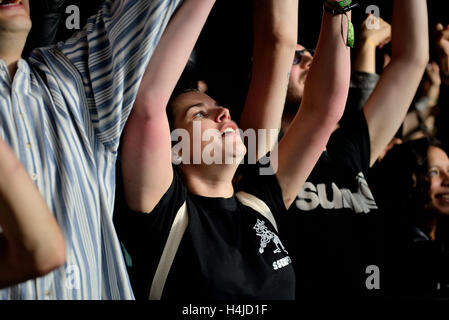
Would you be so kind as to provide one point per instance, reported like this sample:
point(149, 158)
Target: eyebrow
point(201, 104)
point(437, 166)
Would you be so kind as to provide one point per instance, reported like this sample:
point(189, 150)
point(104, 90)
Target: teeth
point(228, 130)
point(9, 2)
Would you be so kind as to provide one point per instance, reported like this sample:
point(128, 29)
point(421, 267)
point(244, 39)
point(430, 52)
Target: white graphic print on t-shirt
point(266, 236)
point(311, 196)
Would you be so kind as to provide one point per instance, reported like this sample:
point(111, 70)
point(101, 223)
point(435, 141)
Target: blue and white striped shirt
point(62, 115)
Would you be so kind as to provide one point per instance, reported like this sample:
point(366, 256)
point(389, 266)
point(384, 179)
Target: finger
point(439, 27)
point(435, 67)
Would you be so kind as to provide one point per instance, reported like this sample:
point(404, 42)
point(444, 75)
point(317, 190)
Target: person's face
point(438, 175)
point(298, 77)
point(15, 17)
point(196, 108)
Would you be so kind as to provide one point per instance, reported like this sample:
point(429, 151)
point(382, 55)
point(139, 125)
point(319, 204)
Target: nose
point(223, 115)
point(445, 178)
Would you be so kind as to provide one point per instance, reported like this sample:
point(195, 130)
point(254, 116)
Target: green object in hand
point(350, 39)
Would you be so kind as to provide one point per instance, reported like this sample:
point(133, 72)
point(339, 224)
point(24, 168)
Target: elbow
point(418, 59)
point(148, 106)
point(45, 263)
point(46, 258)
point(284, 40)
point(330, 108)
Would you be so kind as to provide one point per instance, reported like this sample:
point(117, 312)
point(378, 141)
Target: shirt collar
point(4, 70)
point(21, 76)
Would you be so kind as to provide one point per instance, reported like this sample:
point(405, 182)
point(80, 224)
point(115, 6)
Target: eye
point(433, 173)
point(199, 114)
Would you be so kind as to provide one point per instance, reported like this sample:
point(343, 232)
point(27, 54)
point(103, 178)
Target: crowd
point(124, 176)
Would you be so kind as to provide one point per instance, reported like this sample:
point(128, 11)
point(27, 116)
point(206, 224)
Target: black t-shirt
point(220, 256)
point(334, 229)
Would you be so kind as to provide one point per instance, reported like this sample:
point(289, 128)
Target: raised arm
point(146, 144)
point(388, 104)
point(275, 34)
point(369, 41)
point(31, 243)
point(322, 106)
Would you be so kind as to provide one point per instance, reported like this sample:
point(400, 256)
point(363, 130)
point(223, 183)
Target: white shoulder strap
point(258, 205)
point(171, 247)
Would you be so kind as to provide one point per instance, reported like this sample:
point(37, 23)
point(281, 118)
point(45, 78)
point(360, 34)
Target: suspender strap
point(171, 247)
point(177, 232)
point(258, 205)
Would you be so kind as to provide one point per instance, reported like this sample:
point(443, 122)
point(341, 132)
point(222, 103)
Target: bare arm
point(146, 157)
point(442, 44)
point(322, 106)
point(275, 33)
point(31, 244)
point(369, 40)
point(388, 104)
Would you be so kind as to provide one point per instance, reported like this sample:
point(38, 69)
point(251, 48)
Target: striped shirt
point(62, 115)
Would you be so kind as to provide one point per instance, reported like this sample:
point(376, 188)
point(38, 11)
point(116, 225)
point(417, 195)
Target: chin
point(19, 24)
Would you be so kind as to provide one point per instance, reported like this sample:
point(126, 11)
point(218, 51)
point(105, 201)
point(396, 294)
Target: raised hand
point(376, 37)
point(442, 39)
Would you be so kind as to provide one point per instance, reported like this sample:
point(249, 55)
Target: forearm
point(400, 79)
point(432, 92)
point(444, 69)
point(171, 55)
point(275, 34)
point(409, 42)
point(323, 103)
point(327, 84)
point(32, 243)
point(365, 58)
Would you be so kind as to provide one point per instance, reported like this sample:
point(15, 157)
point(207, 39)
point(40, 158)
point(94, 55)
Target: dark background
point(223, 52)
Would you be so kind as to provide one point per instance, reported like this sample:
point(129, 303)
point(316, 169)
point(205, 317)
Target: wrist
point(367, 41)
point(444, 63)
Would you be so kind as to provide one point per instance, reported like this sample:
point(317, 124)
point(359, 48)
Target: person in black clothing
point(417, 203)
point(334, 228)
point(221, 244)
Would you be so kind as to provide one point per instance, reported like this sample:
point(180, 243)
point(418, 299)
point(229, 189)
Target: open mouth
point(443, 196)
point(228, 131)
point(6, 3)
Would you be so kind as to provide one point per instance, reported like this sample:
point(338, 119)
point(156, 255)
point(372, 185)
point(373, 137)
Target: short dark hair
point(169, 110)
point(408, 191)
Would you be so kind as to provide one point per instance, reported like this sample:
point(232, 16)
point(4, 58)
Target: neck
point(214, 181)
point(11, 47)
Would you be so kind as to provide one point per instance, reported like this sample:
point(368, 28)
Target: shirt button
point(34, 176)
point(21, 115)
point(28, 145)
point(47, 292)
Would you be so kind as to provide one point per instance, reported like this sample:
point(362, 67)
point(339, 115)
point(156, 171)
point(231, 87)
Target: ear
point(202, 86)
point(176, 159)
point(415, 180)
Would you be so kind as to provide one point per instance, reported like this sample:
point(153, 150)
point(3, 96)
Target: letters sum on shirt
point(311, 196)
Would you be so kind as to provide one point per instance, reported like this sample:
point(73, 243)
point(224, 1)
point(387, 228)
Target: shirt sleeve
point(361, 86)
point(143, 233)
point(111, 53)
point(350, 143)
point(162, 217)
